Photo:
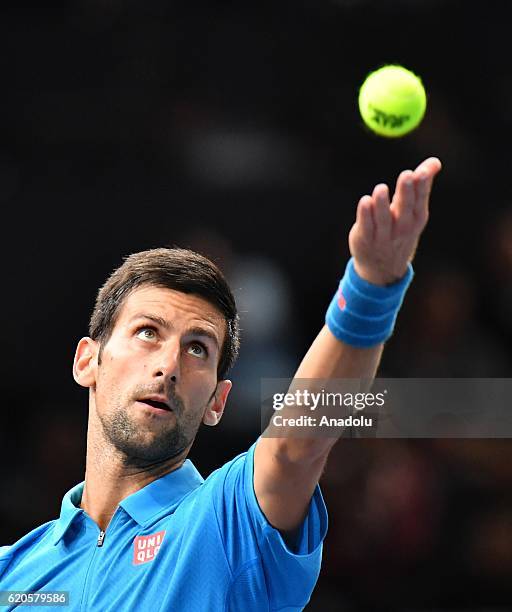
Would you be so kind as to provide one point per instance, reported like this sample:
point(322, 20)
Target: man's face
point(165, 346)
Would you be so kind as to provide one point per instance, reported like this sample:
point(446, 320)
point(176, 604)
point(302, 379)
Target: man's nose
point(167, 364)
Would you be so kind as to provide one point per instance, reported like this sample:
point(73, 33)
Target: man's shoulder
point(228, 470)
point(29, 540)
point(217, 483)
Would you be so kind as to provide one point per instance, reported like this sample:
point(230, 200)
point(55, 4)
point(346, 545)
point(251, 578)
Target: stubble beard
point(167, 439)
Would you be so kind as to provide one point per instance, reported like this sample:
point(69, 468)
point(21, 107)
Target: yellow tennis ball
point(392, 101)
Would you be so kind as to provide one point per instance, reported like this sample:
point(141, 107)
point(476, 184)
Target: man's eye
point(198, 350)
point(146, 333)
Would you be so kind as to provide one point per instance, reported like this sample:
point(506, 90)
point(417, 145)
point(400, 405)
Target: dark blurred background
point(232, 128)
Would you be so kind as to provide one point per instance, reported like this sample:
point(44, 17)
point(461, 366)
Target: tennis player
point(144, 531)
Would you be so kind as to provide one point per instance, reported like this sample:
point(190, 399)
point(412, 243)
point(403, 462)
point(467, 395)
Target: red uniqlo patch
point(341, 300)
point(145, 548)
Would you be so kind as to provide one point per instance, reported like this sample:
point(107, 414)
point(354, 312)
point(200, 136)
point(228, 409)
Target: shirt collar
point(69, 510)
point(161, 495)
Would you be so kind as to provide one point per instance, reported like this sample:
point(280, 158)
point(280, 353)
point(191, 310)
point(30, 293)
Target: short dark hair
point(173, 268)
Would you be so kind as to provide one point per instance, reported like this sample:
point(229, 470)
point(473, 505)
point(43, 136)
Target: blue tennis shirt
point(179, 544)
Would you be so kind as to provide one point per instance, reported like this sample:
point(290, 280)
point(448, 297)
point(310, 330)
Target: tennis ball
point(392, 101)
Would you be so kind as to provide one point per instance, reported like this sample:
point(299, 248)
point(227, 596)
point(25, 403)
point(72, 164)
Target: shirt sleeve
point(289, 575)
point(5, 558)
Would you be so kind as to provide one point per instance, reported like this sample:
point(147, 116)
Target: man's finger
point(405, 197)
point(432, 165)
point(423, 185)
point(423, 179)
point(364, 218)
point(381, 212)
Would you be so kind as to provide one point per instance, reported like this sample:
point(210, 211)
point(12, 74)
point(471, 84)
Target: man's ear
point(215, 408)
point(85, 362)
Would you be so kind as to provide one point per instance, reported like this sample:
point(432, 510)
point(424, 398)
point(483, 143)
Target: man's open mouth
point(155, 404)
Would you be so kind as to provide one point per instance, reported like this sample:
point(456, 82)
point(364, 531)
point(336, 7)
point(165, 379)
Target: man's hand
point(384, 237)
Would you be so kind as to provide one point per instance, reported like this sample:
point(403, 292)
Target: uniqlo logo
point(145, 548)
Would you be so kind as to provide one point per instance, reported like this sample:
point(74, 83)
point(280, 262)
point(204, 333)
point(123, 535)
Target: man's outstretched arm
point(382, 241)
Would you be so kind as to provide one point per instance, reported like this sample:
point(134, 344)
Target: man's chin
point(143, 439)
point(144, 457)
point(152, 449)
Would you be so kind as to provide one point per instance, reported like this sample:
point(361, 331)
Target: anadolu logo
point(145, 548)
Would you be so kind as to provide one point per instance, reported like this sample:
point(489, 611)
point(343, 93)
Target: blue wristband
point(362, 314)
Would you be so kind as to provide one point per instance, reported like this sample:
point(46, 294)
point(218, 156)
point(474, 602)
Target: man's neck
point(109, 479)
